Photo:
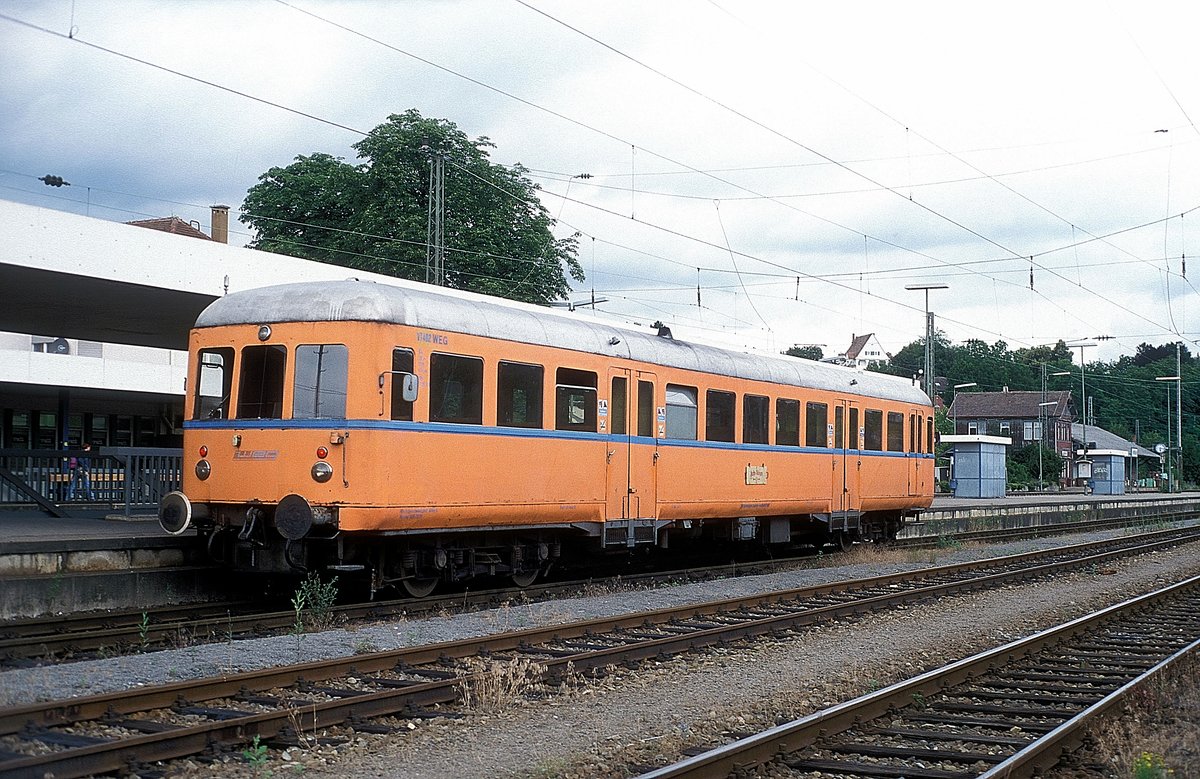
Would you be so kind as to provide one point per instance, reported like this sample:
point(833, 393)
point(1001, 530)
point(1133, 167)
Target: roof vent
point(663, 330)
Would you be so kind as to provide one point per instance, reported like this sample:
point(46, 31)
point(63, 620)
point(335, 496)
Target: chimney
point(220, 224)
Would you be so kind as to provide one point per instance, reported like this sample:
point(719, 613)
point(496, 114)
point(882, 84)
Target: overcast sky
point(810, 159)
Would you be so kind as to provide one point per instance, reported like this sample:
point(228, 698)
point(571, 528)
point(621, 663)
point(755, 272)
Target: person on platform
point(81, 475)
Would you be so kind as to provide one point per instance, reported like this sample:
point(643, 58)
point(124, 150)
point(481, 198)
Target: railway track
point(90, 633)
point(105, 733)
point(1005, 713)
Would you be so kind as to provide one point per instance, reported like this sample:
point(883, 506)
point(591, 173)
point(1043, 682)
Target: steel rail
point(535, 642)
point(141, 630)
point(745, 754)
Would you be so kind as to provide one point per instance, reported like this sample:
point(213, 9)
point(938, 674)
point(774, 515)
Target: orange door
point(615, 420)
point(632, 453)
point(847, 435)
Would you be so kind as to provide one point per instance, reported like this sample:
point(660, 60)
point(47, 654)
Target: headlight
point(203, 470)
point(322, 472)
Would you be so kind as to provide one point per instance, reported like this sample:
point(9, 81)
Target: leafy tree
point(807, 352)
point(374, 215)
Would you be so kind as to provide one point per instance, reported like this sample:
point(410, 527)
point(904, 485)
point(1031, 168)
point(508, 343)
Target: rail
point(125, 478)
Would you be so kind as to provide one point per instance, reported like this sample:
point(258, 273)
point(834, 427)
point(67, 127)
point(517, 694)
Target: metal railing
point(125, 478)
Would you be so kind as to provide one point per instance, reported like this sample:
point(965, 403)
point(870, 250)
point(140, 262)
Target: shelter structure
point(978, 465)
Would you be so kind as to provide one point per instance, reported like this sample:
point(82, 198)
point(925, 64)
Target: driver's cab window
point(213, 383)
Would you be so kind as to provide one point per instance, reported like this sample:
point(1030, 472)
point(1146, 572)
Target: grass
point(494, 686)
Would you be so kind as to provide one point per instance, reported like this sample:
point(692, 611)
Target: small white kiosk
point(978, 465)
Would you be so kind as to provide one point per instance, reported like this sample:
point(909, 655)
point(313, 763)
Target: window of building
point(402, 361)
point(718, 415)
point(645, 410)
point(455, 389)
point(681, 412)
point(260, 391)
point(816, 424)
point(895, 431)
point(213, 384)
point(575, 400)
point(787, 422)
point(519, 395)
point(756, 419)
point(319, 389)
point(972, 428)
point(873, 430)
point(1005, 428)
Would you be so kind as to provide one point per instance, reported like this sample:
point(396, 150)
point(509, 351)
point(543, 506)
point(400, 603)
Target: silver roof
point(458, 312)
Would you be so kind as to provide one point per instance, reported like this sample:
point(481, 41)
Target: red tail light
point(204, 451)
point(322, 452)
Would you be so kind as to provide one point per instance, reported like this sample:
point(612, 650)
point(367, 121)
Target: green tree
point(807, 352)
point(374, 215)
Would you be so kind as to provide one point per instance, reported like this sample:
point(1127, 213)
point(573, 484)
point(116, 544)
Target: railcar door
point(916, 449)
point(847, 447)
point(632, 445)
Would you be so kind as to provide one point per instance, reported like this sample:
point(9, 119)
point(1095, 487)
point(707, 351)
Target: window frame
point(317, 393)
point(508, 377)
point(277, 388)
point(720, 416)
point(686, 413)
point(568, 386)
point(816, 424)
point(756, 419)
point(472, 396)
point(781, 417)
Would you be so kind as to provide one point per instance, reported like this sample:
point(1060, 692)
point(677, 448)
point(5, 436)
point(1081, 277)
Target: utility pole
point(929, 329)
point(435, 240)
point(1179, 416)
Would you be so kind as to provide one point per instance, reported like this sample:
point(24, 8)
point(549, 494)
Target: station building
point(95, 321)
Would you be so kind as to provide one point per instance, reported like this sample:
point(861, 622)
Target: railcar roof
point(417, 306)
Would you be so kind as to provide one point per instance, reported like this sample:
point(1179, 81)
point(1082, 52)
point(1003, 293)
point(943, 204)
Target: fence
point(124, 477)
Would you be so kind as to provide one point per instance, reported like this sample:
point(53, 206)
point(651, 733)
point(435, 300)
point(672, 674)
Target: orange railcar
point(422, 435)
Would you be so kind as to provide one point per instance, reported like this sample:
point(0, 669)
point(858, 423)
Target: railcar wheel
point(841, 540)
point(419, 588)
point(525, 578)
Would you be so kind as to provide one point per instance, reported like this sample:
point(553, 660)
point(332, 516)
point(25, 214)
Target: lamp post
point(928, 333)
point(957, 387)
point(1083, 395)
point(1042, 433)
point(1170, 448)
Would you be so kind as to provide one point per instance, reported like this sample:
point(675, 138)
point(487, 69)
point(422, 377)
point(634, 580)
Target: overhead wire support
point(435, 230)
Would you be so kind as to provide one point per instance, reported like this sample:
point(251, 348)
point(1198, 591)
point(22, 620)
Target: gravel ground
point(635, 719)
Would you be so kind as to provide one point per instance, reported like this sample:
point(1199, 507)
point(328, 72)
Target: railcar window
point(260, 392)
point(929, 434)
point(718, 415)
point(214, 383)
point(914, 433)
point(645, 418)
point(854, 431)
point(319, 389)
point(575, 400)
point(816, 424)
point(873, 430)
point(402, 360)
point(787, 422)
point(455, 389)
point(618, 405)
point(681, 412)
point(895, 431)
point(756, 419)
point(519, 395)
point(839, 426)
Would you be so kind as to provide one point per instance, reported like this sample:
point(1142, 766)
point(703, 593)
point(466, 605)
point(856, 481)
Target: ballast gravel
point(632, 720)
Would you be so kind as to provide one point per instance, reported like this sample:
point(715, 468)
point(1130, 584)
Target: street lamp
point(1042, 435)
point(957, 387)
point(1170, 449)
point(928, 333)
point(1083, 397)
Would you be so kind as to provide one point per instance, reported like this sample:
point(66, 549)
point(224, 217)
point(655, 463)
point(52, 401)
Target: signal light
point(322, 452)
point(204, 451)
